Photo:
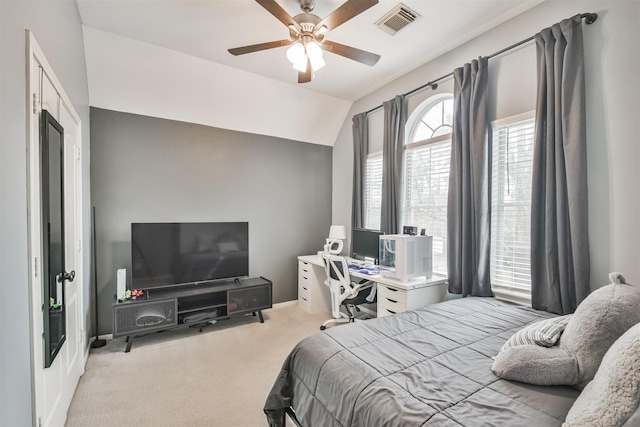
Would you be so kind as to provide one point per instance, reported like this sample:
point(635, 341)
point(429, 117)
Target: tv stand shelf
point(197, 304)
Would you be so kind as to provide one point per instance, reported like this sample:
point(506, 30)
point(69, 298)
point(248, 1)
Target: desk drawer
point(391, 300)
point(304, 268)
point(304, 291)
point(391, 305)
point(382, 311)
point(306, 280)
point(306, 275)
point(387, 292)
point(313, 295)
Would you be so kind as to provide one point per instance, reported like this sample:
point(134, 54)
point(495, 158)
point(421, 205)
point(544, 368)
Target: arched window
point(426, 172)
point(431, 119)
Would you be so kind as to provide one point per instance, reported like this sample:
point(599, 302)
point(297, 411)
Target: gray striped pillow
point(545, 333)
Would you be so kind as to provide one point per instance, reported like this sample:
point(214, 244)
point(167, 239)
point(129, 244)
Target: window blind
point(373, 192)
point(511, 209)
point(426, 189)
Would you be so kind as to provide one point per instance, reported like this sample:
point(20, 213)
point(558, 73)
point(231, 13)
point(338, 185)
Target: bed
point(427, 367)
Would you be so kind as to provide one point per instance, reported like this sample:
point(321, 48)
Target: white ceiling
point(206, 29)
point(169, 59)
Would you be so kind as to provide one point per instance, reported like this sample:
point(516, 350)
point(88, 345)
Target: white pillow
point(544, 333)
point(612, 398)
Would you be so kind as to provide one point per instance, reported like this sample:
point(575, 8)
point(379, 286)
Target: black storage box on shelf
point(135, 316)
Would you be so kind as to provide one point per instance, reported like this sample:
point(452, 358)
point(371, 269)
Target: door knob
point(70, 276)
point(66, 276)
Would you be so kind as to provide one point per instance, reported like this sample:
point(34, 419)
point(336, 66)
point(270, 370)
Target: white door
point(54, 385)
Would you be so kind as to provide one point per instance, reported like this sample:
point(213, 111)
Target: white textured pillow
point(544, 333)
point(613, 396)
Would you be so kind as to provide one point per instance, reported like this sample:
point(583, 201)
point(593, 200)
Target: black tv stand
point(194, 305)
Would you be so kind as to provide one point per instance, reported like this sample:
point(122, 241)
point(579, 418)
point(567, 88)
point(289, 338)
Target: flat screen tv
point(170, 254)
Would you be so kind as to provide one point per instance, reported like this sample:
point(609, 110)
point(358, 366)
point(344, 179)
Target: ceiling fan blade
point(306, 76)
point(346, 11)
point(260, 46)
point(362, 56)
point(276, 10)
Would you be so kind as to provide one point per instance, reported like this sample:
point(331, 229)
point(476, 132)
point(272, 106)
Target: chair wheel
point(322, 328)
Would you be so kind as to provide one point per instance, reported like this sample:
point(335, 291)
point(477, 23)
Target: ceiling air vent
point(398, 18)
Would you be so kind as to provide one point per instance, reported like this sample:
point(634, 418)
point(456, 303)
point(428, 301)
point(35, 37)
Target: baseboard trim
point(286, 304)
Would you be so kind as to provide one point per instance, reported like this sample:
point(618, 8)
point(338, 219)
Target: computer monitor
point(365, 244)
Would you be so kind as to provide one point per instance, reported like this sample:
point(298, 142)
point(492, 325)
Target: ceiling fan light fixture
point(323, 29)
point(301, 64)
point(314, 52)
point(296, 53)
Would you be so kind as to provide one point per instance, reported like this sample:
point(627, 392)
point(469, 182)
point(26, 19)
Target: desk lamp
point(334, 243)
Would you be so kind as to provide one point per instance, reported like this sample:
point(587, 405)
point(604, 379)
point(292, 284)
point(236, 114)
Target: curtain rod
point(589, 18)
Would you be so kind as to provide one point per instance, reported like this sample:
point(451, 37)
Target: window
point(511, 208)
point(427, 162)
point(373, 191)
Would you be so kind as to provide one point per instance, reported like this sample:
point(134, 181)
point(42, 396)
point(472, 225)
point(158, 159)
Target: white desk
point(393, 296)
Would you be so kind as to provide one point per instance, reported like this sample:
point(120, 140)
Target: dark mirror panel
point(53, 268)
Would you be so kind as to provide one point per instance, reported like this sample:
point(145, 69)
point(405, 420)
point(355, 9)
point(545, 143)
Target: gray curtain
point(360, 150)
point(395, 118)
point(469, 204)
point(559, 239)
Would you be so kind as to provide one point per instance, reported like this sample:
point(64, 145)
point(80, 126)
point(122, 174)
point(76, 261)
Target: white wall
point(613, 98)
point(56, 27)
point(136, 77)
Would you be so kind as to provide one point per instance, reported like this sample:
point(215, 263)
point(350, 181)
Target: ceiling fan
point(307, 32)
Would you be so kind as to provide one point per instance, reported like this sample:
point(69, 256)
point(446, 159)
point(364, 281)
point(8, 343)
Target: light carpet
point(218, 377)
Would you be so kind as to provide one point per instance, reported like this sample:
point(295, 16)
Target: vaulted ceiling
point(169, 58)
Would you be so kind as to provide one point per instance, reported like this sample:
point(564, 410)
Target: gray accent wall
point(146, 169)
point(57, 29)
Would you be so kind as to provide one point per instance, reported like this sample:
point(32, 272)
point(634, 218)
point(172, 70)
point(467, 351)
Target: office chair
point(344, 292)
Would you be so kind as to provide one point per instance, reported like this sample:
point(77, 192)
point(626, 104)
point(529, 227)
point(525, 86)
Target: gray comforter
point(430, 366)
